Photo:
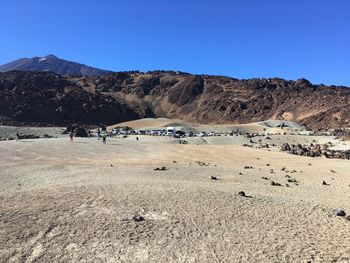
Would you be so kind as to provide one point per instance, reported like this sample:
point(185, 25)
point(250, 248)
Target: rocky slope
point(51, 99)
point(54, 64)
point(217, 99)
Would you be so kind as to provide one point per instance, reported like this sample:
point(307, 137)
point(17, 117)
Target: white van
point(170, 131)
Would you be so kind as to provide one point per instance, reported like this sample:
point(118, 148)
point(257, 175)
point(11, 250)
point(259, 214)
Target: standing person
point(89, 133)
point(137, 138)
point(104, 138)
point(17, 136)
point(71, 135)
point(98, 133)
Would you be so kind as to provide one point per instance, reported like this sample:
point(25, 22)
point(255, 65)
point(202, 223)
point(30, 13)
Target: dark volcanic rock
point(241, 193)
point(50, 99)
point(138, 218)
point(339, 212)
point(285, 147)
point(217, 99)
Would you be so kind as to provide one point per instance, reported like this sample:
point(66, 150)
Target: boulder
point(339, 212)
point(285, 147)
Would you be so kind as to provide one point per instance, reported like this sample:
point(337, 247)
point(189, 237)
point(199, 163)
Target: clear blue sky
point(239, 38)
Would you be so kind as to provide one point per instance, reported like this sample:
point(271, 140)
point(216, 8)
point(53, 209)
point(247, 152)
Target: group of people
point(100, 134)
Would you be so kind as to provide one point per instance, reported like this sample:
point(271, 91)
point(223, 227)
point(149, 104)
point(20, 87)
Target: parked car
point(202, 134)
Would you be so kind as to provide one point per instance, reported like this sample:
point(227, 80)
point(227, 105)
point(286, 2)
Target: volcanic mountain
point(54, 64)
point(46, 98)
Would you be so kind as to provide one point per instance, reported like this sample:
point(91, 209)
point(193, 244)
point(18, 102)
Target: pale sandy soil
point(269, 126)
point(64, 202)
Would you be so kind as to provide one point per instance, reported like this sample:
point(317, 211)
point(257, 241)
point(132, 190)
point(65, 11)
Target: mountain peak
point(51, 56)
point(52, 63)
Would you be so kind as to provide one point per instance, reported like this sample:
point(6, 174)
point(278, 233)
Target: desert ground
point(77, 202)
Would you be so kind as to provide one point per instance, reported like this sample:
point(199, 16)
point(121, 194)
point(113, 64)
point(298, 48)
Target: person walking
point(98, 133)
point(71, 135)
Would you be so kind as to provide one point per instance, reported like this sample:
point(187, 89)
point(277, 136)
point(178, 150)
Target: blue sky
point(243, 39)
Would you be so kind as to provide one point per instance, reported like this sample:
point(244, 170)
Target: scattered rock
point(138, 218)
point(163, 168)
point(214, 178)
point(339, 212)
point(202, 163)
point(275, 184)
point(324, 183)
point(25, 136)
point(292, 180)
point(241, 193)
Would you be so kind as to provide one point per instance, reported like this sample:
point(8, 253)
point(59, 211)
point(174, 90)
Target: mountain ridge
point(34, 98)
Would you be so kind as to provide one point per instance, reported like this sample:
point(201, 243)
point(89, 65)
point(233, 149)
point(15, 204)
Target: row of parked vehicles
point(176, 133)
point(172, 132)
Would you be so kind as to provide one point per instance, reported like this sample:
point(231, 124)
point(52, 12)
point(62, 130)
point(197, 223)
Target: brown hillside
point(46, 98)
point(216, 99)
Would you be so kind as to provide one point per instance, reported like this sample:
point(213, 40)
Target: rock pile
point(315, 150)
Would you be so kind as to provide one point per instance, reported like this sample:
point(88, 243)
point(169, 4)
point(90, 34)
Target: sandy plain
point(75, 202)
